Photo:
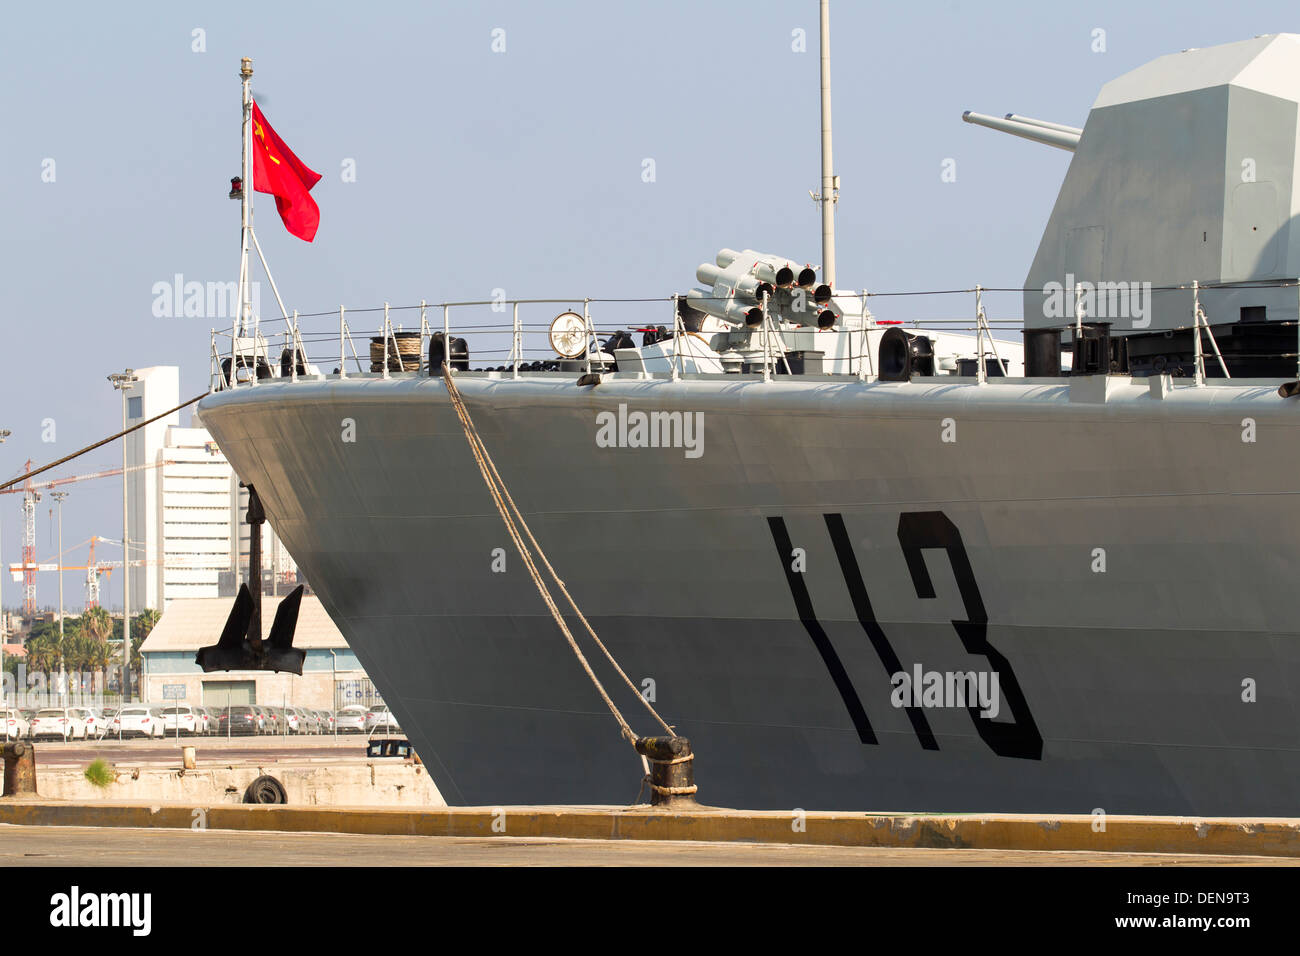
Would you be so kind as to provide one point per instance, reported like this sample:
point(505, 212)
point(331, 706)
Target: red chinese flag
point(276, 170)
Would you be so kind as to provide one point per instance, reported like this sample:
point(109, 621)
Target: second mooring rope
point(514, 520)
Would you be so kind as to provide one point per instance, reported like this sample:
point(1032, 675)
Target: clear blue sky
point(519, 170)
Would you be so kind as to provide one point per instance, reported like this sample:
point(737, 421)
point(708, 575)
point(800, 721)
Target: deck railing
point(507, 335)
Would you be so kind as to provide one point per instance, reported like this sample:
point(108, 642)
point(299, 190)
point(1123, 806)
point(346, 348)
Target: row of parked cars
point(149, 720)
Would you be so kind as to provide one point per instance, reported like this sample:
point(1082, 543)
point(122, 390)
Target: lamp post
point(122, 381)
point(58, 496)
point(4, 433)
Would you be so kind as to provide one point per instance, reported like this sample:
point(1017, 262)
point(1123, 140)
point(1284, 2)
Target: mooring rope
point(103, 441)
point(514, 520)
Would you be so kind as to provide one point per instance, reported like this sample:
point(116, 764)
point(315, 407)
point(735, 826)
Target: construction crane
point(31, 495)
point(92, 567)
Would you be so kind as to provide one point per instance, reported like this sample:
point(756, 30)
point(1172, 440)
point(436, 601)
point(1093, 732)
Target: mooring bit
point(672, 770)
point(187, 758)
point(20, 769)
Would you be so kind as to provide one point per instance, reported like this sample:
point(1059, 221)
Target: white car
point(13, 724)
point(94, 723)
point(180, 717)
point(207, 721)
point(62, 722)
point(136, 720)
point(379, 717)
point(352, 719)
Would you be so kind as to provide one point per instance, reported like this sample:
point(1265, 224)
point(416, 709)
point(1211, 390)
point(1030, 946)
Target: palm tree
point(75, 649)
point(141, 625)
point(98, 660)
point(96, 621)
point(42, 653)
point(144, 622)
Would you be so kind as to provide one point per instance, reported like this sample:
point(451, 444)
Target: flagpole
point(246, 198)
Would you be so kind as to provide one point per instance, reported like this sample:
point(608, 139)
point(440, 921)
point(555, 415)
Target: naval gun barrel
point(1059, 138)
point(1045, 124)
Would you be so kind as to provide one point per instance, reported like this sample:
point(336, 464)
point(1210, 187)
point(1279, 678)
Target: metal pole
point(387, 329)
point(517, 341)
point(586, 326)
point(343, 371)
point(334, 689)
point(58, 496)
point(446, 337)
point(829, 194)
point(678, 340)
point(1196, 326)
point(767, 359)
point(864, 360)
point(246, 194)
point(126, 567)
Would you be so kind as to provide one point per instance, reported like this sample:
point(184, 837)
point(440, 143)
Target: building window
point(135, 407)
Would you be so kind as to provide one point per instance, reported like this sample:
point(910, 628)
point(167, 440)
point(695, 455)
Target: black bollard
point(20, 769)
point(672, 770)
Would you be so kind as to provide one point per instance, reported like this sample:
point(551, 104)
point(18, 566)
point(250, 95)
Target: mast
point(829, 195)
point(246, 198)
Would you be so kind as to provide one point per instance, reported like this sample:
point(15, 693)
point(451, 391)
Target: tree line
point(85, 645)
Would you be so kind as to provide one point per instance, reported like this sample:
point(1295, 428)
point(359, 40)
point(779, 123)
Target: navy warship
point(860, 564)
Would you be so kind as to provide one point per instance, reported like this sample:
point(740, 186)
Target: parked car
point(270, 722)
point(239, 720)
point(136, 720)
point(61, 722)
point(15, 725)
point(274, 720)
point(94, 723)
point(308, 721)
point(352, 719)
point(210, 720)
point(379, 717)
point(326, 721)
point(180, 719)
point(29, 715)
point(258, 716)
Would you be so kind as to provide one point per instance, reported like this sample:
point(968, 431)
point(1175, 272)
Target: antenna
point(830, 191)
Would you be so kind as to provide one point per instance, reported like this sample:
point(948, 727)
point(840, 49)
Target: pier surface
point(82, 846)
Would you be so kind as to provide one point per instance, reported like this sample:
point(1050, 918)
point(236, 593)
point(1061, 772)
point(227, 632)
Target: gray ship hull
point(1118, 555)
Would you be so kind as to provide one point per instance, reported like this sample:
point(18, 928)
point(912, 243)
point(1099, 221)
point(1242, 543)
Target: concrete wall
point(373, 783)
point(314, 689)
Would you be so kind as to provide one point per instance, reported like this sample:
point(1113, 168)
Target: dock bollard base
point(20, 770)
point(672, 771)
